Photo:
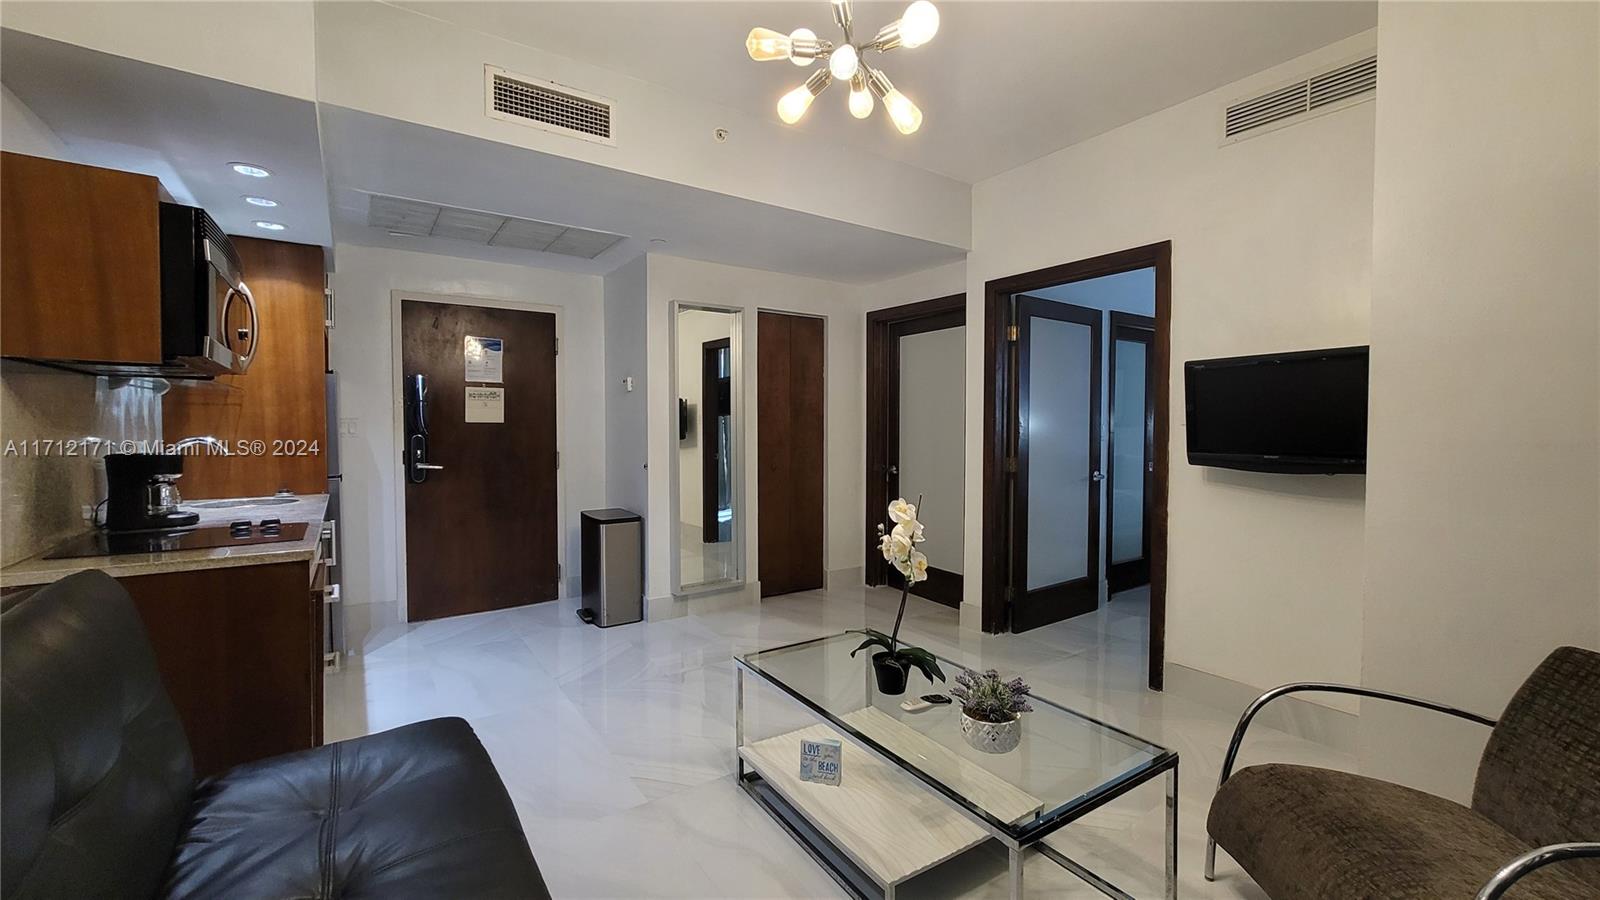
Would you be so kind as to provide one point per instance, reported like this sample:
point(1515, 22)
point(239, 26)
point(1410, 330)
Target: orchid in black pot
point(893, 663)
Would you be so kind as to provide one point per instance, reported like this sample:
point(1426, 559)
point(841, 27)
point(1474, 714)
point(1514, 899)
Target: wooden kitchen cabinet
point(80, 275)
point(280, 401)
point(240, 653)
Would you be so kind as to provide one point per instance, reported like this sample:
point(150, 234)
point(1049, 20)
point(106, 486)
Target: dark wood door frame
point(1130, 327)
point(710, 413)
point(885, 327)
point(999, 407)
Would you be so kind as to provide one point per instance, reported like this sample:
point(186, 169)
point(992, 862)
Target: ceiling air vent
point(416, 218)
point(1334, 89)
point(546, 105)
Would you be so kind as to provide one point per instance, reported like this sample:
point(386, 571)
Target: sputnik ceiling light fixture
point(846, 62)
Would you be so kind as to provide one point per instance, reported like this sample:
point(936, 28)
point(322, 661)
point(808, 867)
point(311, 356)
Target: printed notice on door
point(486, 404)
point(484, 356)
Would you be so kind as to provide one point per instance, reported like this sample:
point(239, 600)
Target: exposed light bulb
point(918, 24)
point(844, 62)
point(796, 36)
point(860, 97)
point(794, 104)
point(902, 112)
point(766, 45)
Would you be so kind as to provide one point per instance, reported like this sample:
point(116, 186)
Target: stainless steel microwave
point(209, 321)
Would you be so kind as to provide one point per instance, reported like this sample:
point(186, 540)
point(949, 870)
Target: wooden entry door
point(481, 531)
point(789, 452)
point(1056, 553)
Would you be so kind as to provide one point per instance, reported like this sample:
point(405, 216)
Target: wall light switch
point(627, 384)
point(347, 426)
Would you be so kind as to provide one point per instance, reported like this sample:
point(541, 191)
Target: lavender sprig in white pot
point(991, 709)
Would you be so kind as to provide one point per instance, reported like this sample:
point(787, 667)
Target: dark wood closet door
point(481, 532)
point(789, 452)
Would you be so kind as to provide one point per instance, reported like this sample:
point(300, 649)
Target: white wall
point(1481, 530)
point(627, 479)
point(22, 131)
point(689, 281)
point(267, 45)
point(362, 353)
point(928, 284)
point(1271, 250)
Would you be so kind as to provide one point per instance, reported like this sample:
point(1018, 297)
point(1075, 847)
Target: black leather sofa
point(99, 797)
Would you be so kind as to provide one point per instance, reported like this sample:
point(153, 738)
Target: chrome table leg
point(1172, 834)
point(738, 716)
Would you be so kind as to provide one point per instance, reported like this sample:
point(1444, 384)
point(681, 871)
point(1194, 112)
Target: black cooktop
point(116, 543)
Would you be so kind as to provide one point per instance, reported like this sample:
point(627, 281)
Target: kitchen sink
point(245, 501)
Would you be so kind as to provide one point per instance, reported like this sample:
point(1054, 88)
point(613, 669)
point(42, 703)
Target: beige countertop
point(308, 508)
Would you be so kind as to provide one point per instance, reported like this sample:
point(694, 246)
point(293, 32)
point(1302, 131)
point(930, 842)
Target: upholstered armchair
point(1533, 828)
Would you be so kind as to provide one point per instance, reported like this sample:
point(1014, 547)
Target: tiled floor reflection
point(617, 744)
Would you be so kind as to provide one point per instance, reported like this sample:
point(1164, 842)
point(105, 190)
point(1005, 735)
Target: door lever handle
point(430, 467)
point(1097, 476)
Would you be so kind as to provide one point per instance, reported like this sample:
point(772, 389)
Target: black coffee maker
point(143, 492)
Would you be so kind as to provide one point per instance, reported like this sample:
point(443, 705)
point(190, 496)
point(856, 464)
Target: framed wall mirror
point(707, 422)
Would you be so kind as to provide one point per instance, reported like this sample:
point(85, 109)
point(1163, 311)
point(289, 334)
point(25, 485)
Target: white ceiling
point(183, 129)
point(1003, 82)
point(370, 154)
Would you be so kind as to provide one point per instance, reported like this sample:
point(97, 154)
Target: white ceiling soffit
point(1004, 82)
point(373, 155)
point(399, 216)
point(181, 128)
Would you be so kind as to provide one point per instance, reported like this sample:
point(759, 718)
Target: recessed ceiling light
point(270, 226)
point(260, 201)
point(248, 169)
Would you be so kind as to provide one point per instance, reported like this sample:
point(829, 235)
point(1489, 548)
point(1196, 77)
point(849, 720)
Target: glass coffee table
point(913, 793)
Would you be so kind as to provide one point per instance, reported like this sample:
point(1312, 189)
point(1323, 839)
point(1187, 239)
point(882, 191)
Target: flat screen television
point(1303, 412)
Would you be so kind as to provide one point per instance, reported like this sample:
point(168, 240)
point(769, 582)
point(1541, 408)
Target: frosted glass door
point(1058, 451)
point(931, 458)
point(1127, 452)
point(1132, 442)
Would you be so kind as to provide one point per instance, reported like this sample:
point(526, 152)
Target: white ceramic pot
point(992, 737)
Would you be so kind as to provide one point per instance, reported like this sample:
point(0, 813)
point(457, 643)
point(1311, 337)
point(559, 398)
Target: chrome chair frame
point(1326, 688)
point(1536, 858)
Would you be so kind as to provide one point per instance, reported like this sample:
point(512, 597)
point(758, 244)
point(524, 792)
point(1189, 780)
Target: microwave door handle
point(243, 290)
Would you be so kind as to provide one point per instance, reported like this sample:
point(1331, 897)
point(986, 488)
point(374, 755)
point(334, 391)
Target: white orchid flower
point(919, 566)
point(901, 511)
point(910, 530)
point(895, 546)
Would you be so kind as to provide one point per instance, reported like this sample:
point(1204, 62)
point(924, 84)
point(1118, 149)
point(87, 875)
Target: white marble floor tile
point(617, 744)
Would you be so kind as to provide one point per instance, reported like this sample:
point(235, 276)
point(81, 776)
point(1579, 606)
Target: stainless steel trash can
point(613, 567)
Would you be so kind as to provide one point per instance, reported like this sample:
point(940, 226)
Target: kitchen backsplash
point(53, 425)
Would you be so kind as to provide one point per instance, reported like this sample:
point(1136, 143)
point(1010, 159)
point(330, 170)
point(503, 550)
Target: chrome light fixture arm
point(1496, 887)
point(1326, 688)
